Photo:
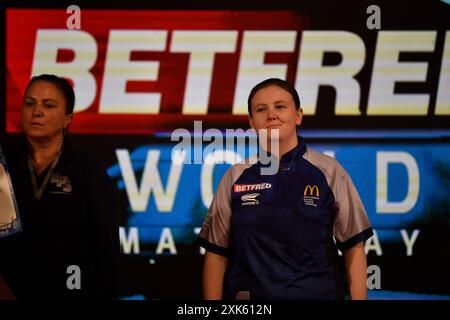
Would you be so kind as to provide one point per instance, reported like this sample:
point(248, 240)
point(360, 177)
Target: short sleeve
point(351, 224)
point(214, 233)
point(104, 210)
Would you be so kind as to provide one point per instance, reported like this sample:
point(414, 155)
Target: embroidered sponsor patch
point(311, 195)
point(63, 183)
point(251, 187)
point(249, 199)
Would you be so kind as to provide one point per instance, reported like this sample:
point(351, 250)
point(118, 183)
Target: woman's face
point(274, 108)
point(44, 111)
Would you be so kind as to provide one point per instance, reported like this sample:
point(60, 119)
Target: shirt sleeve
point(104, 210)
point(214, 234)
point(351, 224)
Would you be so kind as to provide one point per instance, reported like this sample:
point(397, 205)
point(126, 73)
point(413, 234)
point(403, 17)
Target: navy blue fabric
point(281, 241)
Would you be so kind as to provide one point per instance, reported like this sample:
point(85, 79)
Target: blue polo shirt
point(281, 232)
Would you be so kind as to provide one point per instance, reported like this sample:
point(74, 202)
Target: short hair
point(62, 84)
point(273, 82)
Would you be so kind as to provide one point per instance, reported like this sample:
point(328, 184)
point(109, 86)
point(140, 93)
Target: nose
point(36, 111)
point(271, 114)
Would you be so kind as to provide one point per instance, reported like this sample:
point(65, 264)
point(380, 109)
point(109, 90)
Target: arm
point(356, 268)
point(213, 272)
point(104, 210)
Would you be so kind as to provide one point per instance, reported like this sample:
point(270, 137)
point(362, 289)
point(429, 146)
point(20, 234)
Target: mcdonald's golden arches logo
point(311, 190)
point(311, 195)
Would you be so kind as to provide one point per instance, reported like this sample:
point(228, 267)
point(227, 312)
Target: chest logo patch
point(251, 187)
point(249, 199)
point(62, 182)
point(311, 195)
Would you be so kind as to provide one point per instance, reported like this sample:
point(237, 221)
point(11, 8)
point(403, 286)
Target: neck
point(288, 145)
point(44, 152)
point(284, 146)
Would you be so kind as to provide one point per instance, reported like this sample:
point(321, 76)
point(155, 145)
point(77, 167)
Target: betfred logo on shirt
point(251, 187)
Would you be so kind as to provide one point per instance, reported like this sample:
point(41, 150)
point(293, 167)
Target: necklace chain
point(38, 190)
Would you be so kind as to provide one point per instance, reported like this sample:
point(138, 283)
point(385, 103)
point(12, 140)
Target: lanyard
point(39, 190)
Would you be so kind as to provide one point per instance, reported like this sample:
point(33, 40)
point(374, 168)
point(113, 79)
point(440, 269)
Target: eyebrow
point(259, 105)
point(280, 101)
point(48, 99)
point(265, 104)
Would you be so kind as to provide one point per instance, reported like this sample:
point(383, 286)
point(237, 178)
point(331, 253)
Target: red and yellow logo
point(311, 190)
point(311, 195)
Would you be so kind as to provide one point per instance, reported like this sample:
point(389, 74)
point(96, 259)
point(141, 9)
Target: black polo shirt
point(74, 226)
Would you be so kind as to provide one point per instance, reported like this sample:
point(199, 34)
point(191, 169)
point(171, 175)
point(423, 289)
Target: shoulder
point(235, 171)
point(238, 169)
point(83, 162)
point(328, 165)
point(14, 148)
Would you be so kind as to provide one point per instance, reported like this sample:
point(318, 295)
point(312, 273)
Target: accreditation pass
point(9, 215)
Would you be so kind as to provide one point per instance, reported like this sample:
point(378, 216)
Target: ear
point(68, 120)
point(250, 121)
point(299, 117)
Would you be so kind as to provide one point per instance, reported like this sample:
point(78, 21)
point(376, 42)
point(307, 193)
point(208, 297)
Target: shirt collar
point(295, 152)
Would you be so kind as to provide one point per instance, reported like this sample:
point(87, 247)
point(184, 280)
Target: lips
point(37, 124)
point(273, 126)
